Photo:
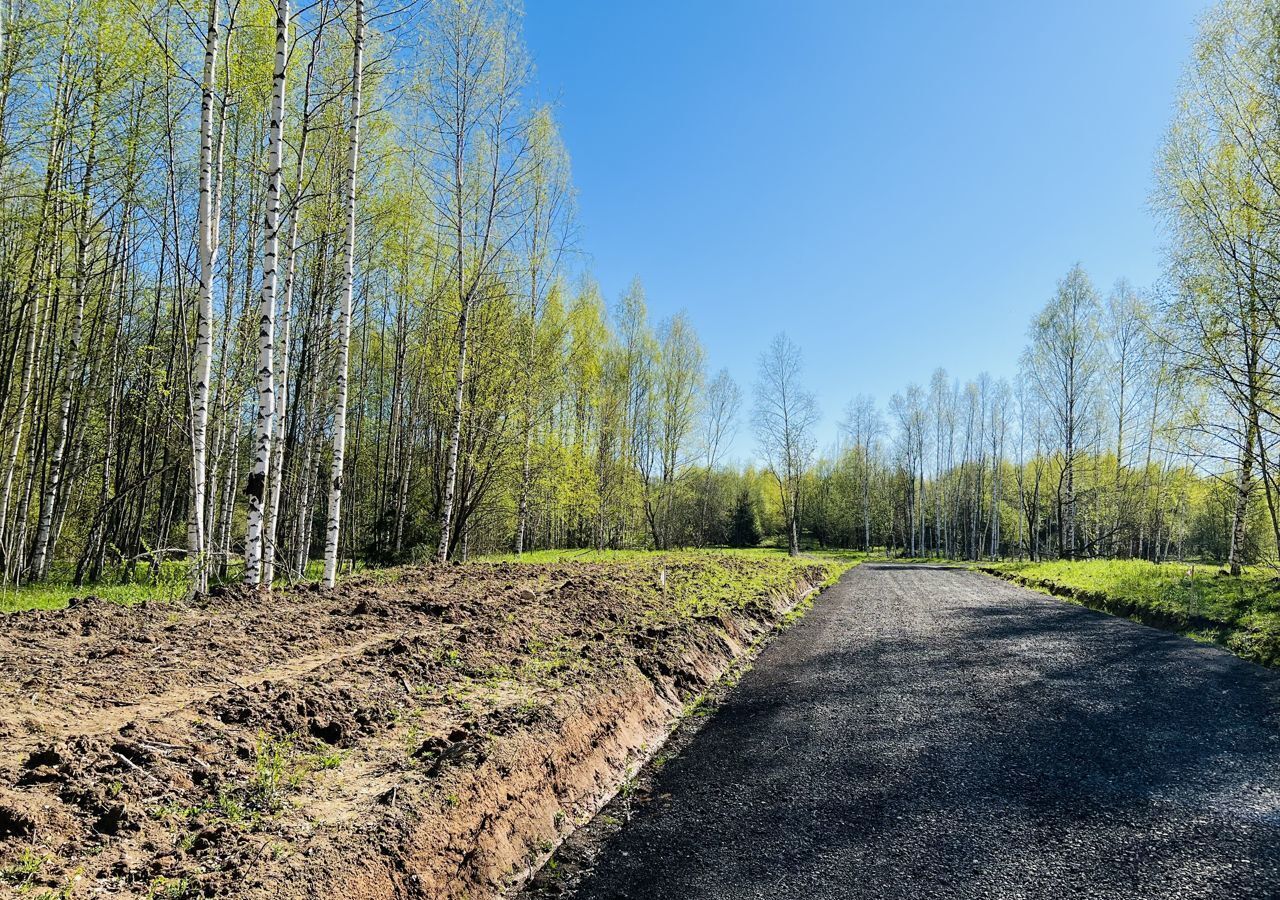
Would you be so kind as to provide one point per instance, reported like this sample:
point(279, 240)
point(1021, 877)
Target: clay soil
point(420, 732)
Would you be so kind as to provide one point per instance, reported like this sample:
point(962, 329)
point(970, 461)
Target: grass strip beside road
point(1202, 602)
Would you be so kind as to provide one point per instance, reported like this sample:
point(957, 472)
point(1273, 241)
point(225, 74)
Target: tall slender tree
point(333, 525)
point(784, 417)
point(256, 488)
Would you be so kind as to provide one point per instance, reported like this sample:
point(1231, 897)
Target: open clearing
point(930, 732)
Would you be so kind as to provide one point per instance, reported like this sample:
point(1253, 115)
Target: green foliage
point(165, 888)
point(165, 582)
point(24, 869)
point(272, 759)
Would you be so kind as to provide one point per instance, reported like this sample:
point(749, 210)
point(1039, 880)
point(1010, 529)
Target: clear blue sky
point(896, 185)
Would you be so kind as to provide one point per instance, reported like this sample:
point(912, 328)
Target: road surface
point(927, 732)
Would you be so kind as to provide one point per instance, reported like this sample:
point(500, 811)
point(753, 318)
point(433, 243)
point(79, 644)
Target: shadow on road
point(929, 732)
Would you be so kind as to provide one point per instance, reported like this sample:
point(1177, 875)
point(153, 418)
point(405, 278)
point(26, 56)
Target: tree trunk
point(264, 428)
point(1244, 487)
point(269, 551)
point(197, 531)
point(344, 316)
point(455, 431)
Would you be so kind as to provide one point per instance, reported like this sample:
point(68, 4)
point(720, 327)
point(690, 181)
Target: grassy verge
point(1202, 602)
point(699, 583)
point(588, 555)
point(168, 581)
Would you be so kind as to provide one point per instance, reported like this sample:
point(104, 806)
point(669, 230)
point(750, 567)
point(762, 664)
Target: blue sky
point(896, 185)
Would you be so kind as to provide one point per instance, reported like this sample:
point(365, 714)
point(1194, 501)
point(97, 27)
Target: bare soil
point(423, 732)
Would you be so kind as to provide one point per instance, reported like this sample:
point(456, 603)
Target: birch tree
point(479, 139)
point(265, 427)
point(1220, 191)
point(719, 422)
point(334, 522)
point(276, 471)
point(784, 417)
point(1064, 365)
point(546, 238)
point(203, 369)
point(44, 532)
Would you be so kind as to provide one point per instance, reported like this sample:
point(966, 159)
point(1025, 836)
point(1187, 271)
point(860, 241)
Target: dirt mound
point(424, 732)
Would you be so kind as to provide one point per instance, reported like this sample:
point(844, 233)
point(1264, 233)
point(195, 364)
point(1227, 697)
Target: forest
point(289, 290)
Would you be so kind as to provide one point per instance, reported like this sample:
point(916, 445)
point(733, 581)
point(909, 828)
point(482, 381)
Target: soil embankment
point(424, 732)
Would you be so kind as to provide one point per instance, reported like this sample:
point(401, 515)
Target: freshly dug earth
point(423, 732)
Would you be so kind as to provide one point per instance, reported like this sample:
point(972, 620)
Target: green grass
point(1242, 614)
point(545, 557)
point(164, 583)
point(168, 581)
point(23, 870)
point(590, 555)
point(708, 582)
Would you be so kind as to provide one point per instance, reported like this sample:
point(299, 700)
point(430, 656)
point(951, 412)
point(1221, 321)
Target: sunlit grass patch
point(167, 581)
point(126, 585)
point(1203, 602)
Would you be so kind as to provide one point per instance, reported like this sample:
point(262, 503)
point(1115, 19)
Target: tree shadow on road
point(1022, 748)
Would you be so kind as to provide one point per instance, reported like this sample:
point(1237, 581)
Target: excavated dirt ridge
point(423, 732)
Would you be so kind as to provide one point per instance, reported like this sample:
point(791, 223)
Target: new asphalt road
point(927, 732)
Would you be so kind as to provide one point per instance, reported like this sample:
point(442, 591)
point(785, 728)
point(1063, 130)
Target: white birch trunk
point(197, 530)
point(455, 437)
point(344, 316)
point(309, 474)
point(282, 368)
point(276, 467)
point(265, 427)
point(15, 444)
point(460, 381)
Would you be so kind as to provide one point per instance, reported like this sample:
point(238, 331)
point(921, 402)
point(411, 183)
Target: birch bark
point(40, 553)
point(286, 313)
point(344, 316)
point(265, 427)
point(196, 527)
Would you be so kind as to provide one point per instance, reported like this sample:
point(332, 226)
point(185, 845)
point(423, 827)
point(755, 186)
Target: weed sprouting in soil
point(271, 770)
point(165, 888)
point(23, 870)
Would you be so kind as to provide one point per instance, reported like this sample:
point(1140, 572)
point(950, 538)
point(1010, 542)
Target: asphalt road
point(938, 733)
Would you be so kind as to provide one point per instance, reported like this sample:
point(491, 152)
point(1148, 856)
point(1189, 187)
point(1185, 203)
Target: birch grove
point(253, 332)
point(285, 292)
